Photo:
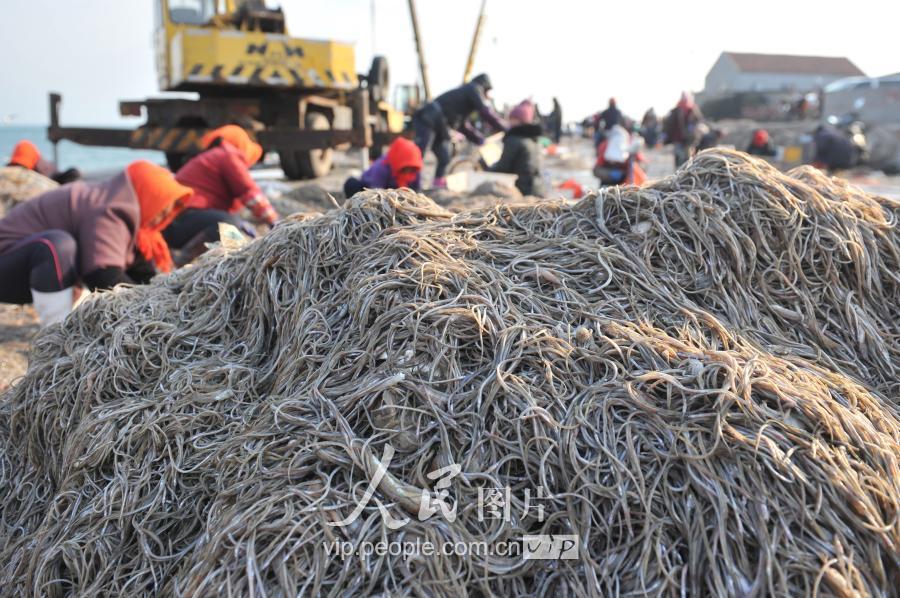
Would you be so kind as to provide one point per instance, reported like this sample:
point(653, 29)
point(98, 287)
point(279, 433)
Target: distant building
point(737, 72)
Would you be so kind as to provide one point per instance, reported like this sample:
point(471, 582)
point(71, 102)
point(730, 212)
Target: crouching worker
point(220, 178)
point(400, 167)
point(95, 235)
point(619, 159)
point(521, 151)
point(834, 151)
point(26, 155)
point(761, 145)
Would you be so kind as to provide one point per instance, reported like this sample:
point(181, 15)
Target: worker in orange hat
point(238, 138)
point(27, 155)
point(95, 235)
point(761, 145)
point(220, 178)
point(400, 167)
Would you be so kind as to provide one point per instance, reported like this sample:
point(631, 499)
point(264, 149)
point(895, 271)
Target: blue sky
point(97, 52)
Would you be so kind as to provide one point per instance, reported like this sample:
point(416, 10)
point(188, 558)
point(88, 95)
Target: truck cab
point(203, 44)
point(301, 98)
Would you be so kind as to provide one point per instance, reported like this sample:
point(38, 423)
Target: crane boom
point(423, 68)
point(476, 38)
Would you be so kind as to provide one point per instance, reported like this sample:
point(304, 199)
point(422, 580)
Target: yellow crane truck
point(300, 98)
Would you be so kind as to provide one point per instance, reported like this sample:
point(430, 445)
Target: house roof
point(795, 65)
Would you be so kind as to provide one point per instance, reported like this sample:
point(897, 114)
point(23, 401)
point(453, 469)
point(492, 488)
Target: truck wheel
point(382, 126)
point(379, 79)
point(175, 160)
point(289, 165)
point(316, 163)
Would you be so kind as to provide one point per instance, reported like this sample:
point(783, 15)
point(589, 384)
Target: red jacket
point(221, 181)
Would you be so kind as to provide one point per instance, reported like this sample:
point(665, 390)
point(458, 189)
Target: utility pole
point(470, 64)
point(423, 68)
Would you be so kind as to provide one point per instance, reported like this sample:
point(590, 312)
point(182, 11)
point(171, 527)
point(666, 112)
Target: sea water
point(90, 160)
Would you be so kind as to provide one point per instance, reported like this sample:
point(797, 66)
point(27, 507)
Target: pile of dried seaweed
point(694, 378)
point(20, 184)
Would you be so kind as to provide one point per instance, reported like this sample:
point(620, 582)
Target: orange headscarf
point(161, 198)
point(26, 155)
point(237, 137)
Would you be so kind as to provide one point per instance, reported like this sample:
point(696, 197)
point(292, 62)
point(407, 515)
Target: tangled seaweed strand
point(803, 261)
point(19, 184)
point(698, 377)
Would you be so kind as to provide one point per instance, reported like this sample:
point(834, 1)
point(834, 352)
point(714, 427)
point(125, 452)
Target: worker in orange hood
point(238, 138)
point(220, 178)
point(761, 145)
point(400, 167)
point(96, 235)
point(26, 155)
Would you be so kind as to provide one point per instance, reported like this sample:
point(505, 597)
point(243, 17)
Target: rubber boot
point(52, 308)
